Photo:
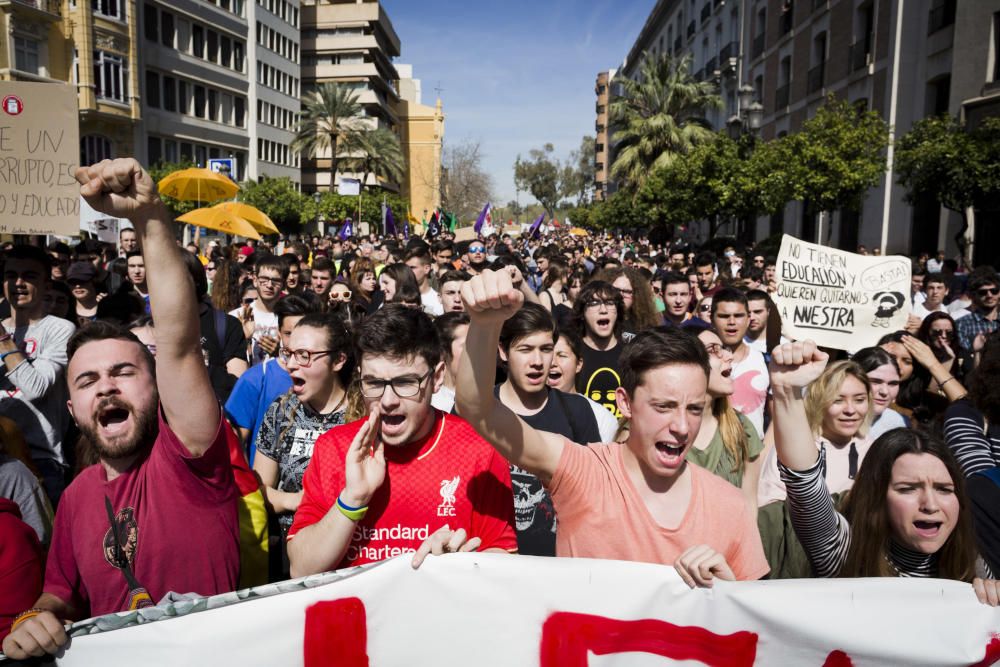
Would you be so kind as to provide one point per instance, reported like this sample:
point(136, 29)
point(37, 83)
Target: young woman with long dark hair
point(907, 513)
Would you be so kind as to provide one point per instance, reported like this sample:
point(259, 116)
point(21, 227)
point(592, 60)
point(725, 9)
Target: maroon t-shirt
point(177, 527)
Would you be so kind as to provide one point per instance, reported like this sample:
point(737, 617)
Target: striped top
point(825, 533)
point(976, 447)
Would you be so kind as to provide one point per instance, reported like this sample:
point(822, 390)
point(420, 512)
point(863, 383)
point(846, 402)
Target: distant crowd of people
point(194, 419)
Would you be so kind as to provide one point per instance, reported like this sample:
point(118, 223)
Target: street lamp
point(744, 127)
point(317, 196)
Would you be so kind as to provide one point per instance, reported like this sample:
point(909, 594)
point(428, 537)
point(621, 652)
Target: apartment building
point(421, 133)
point(602, 136)
point(195, 82)
point(91, 44)
point(352, 42)
point(275, 92)
point(905, 60)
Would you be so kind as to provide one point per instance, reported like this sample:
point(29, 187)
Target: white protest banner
point(104, 227)
point(39, 151)
point(494, 609)
point(837, 298)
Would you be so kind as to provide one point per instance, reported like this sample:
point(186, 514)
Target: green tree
point(836, 158)
point(659, 117)
point(329, 118)
point(277, 197)
point(577, 178)
point(335, 208)
point(162, 169)
point(377, 152)
point(940, 158)
point(540, 175)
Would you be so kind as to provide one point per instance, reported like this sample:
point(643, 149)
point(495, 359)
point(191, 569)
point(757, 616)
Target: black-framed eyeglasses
point(942, 333)
point(276, 282)
point(406, 386)
point(304, 358)
point(705, 307)
point(597, 303)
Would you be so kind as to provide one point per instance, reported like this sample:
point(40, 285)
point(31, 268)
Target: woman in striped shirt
point(907, 513)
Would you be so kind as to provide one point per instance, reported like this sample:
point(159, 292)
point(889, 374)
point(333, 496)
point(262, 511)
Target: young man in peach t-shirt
point(637, 500)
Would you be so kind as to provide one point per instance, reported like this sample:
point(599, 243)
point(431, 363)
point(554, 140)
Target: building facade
point(275, 91)
point(352, 42)
point(602, 136)
point(421, 133)
point(195, 82)
point(91, 45)
point(905, 60)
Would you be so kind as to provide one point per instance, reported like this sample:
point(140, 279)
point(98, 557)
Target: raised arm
point(490, 299)
point(122, 188)
point(793, 367)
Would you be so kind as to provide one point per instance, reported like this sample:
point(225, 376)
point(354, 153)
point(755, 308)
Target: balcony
point(859, 55)
point(710, 67)
point(758, 46)
point(730, 50)
point(47, 9)
point(941, 16)
point(781, 96)
point(690, 29)
point(814, 80)
point(706, 12)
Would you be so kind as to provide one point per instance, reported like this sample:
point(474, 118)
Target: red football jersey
point(452, 476)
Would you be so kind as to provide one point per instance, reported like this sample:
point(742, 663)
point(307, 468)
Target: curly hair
point(226, 285)
point(984, 390)
point(642, 314)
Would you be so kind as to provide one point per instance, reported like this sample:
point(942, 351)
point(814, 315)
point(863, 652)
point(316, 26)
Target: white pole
point(893, 98)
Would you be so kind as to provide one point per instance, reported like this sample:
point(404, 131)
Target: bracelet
point(8, 353)
point(353, 513)
point(24, 616)
point(942, 384)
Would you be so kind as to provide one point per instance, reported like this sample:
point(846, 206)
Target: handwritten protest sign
point(39, 151)
point(840, 299)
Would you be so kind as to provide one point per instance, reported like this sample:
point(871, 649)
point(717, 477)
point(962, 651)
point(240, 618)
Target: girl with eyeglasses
point(727, 444)
point(317, 361)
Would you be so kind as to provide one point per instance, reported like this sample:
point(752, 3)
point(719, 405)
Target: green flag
point(450, 221)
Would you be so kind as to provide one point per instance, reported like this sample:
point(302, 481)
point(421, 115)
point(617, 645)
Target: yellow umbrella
point(260, 220)
point(198, 184)
point(576, 231)
point(220, 220)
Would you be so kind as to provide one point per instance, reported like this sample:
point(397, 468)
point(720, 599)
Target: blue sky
point(515, 74)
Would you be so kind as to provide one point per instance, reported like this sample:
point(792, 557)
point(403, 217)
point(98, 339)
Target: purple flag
point(346, 231)
point(535, 226)
point(390, 223)
point(406, 229)
point(481, 219)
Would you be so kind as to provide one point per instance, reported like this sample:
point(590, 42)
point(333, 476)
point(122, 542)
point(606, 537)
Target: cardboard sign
point(494, 609)
point(840, 299)
point(100, 225)
point(39, 151)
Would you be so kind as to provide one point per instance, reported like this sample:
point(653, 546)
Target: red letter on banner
point(568, 637)
point(336, 634)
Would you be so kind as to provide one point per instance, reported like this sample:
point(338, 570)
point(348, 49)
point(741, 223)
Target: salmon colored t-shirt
point(601, 515)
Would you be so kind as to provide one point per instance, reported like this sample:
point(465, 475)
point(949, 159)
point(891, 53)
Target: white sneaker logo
point(448, 487)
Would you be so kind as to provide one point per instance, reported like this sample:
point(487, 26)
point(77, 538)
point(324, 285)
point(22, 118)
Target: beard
point(123, 445)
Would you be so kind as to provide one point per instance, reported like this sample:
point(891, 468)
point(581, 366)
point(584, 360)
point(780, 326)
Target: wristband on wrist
point(24, 616)
point(353, 513)
point(6, 354)
point(950, 378)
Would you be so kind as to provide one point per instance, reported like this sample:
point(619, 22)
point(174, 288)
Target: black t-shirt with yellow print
point(600, 376)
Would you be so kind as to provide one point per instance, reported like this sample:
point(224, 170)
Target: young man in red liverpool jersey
point(637, 500)
point(408, 478)
point(157, 513)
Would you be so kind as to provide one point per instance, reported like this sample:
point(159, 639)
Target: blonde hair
point(734, 436)
point(821, 394)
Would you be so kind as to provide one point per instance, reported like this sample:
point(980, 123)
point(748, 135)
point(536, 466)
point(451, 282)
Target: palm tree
point(659, 117)
point(329, 118)
point(377, 152)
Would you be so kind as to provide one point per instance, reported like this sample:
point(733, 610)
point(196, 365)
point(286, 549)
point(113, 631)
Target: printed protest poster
point(39, 151)
point(840, 299)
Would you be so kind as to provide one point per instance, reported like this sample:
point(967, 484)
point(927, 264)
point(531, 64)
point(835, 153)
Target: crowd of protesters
point(189, 420)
